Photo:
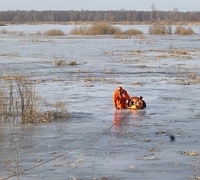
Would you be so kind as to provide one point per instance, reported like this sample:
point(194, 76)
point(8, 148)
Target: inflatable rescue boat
point(136, 103)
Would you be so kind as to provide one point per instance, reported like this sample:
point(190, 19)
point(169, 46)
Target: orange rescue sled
point(136, 103)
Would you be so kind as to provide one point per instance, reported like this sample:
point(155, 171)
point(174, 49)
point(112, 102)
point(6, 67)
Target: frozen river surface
point(98, 142)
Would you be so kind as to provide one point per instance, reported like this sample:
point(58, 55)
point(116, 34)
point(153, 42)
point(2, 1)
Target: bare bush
point(160, 29)
point(97, 29)
point(82, 30)
point(133, 32)
point(20, 104)
point(183, 31)
point(54, 32)
point(127, 34)
point(103, 29)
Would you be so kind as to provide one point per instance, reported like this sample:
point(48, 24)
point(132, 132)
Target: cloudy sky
point(139, 5)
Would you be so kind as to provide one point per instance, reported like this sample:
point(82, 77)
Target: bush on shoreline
point(183, 31)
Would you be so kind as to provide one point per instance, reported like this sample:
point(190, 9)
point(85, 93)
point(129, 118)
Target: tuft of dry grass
point(183, 31)
point(54, 32)
point(58, 62)
point(61, 62)
point(72, 63)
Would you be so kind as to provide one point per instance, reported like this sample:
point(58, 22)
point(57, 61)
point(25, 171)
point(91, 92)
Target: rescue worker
point(120, 98)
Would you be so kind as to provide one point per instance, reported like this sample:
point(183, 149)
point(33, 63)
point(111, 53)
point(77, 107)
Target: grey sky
point(143, 5)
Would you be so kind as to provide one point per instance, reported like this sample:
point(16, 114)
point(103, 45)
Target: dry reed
point(20, 104)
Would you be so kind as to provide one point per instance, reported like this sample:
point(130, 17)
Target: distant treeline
point(99, 16)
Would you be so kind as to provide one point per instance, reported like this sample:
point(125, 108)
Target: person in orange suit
point(120, 98)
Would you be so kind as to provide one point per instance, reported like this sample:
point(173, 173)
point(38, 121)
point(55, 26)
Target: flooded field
point(98, 142)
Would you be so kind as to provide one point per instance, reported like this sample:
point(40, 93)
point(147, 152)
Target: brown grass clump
point(54, 32)
point(105, 29)
point(58, 62)
point(183, 31)
point(179, 52)
point(127, 34)
point(20, 104)
point(82, 30)
point(160, 29)
point(72, 63)
point(61, 62)
point(133, 31)
point(97, 29)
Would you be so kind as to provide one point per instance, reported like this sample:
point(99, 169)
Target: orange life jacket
point(119, 98)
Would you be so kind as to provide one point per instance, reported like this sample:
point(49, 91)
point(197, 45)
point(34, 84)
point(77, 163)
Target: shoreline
point(110, 23)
